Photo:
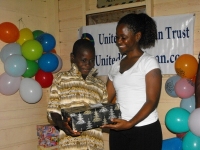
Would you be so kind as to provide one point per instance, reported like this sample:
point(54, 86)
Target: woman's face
point(125, 39)
point(84, 60)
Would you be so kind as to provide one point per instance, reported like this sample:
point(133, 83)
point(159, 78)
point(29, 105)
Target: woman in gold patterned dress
point(77, 87)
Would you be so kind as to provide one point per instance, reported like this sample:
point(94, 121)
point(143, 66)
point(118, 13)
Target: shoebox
point(90, 117)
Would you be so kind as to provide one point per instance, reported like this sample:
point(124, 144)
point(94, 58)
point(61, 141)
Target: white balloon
point(9, 85)
point(30, 90)
point(194, 122)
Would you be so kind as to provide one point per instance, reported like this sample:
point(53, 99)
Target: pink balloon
point(9, 85)
point(184, 88)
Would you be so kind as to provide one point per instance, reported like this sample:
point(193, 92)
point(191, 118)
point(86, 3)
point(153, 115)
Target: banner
point(175, 37)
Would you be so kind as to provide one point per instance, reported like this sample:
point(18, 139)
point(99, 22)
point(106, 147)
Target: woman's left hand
point(118, 124)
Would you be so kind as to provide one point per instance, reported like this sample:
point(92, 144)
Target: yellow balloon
point(25, 34)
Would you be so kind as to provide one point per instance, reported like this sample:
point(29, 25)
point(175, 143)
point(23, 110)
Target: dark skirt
point(148, 137)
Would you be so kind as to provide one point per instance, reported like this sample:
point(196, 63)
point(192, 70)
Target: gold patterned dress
point(68, 90)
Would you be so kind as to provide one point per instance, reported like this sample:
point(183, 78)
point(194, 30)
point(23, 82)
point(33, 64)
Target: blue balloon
point(48, 62)
point(172, 144)
point(47, 41)
point(176, 120)
point(169, 85)
point(188, 103)
point(191, 142)
point(15, 65)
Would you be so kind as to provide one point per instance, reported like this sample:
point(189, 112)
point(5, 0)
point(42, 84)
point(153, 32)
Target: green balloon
point(32, 69)
point(176, 120)
point(32, 50)
point(37, 33)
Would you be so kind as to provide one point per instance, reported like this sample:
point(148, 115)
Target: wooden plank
point(69, 4)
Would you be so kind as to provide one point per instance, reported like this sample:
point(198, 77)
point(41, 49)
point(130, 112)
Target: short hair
point(81, 44)
point(144, 24)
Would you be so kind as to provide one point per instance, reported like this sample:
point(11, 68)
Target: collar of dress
point(74, 70)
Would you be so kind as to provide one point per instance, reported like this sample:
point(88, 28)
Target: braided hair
point(144, 24)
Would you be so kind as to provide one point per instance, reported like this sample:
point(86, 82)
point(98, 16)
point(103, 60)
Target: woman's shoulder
point(146, 58)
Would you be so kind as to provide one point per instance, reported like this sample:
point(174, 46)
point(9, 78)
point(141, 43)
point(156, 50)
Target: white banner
point(175, 37)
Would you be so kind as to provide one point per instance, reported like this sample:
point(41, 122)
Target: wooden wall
point(18, 119)
point(62, 18)
point(155, 8)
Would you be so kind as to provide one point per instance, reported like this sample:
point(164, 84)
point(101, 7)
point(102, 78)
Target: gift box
point(47, 130)
point(90, 117)
point(47, 135)
point(48, 141)
point(47, 148)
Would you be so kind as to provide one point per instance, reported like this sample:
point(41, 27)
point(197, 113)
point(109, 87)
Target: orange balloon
point(186, 66)
point(9, 33)
point(53, 51)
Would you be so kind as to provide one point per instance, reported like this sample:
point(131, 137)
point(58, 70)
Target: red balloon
point(181, 135)
point(9, 33)
point(45, 79)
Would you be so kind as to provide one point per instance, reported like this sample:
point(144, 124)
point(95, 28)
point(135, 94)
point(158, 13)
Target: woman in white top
point(136, 82)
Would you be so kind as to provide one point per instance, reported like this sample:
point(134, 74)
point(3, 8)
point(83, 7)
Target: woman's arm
point(110, 90)
point(153, 89)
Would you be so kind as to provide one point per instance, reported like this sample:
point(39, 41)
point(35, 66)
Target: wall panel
point(18, 118)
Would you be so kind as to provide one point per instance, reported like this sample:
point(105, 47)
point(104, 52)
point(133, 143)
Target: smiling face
point(84, 59)
point(126, 41)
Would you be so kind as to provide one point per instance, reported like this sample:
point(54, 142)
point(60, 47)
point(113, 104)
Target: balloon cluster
point(184, 120)
point(29, 59)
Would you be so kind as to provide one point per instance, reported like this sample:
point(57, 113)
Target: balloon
point(176, 120)
point(15, 65)
point(169, 85)
point(9, 85)
point(194, 122)
point(191, 142)
point(9, 33)
point(188, 103)
point(44, 78)
point(25, 34)
point(184, 88)
point(47, 41)
point(172, 144)
point(30, 90)
point(32, 68)
point(37, 33)
point(186, 66)
point(60, 63)
point(48, 62)
point(32, 50)
point(180, 135)
point(53, 51)
point(10, 49)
